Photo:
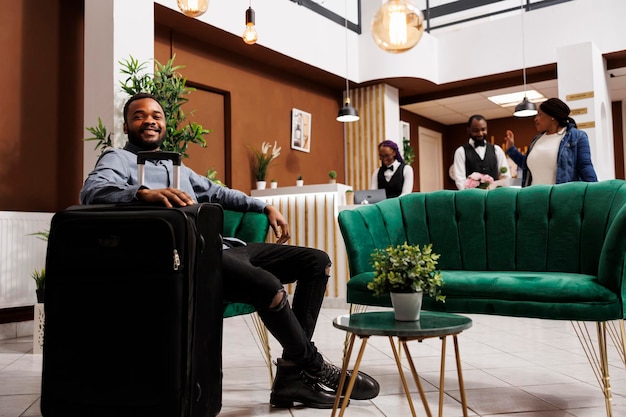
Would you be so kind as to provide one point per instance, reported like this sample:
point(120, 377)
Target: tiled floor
point(511, 366)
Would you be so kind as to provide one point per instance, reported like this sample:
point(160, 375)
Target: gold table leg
point(409, 358)
point(344, 372)
point(459, 373)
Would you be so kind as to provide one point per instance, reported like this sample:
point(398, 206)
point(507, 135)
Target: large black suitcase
point(133, 312)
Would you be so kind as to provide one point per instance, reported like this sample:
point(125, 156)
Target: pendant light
point(193, 8)
point(397, 26)
point(525, 108)
point(249, 35)
point(347, 113)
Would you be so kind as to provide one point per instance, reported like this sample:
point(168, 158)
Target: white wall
point(474, 50)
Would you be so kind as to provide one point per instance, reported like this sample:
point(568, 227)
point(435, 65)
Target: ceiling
point(458, 109)
point(448, 104)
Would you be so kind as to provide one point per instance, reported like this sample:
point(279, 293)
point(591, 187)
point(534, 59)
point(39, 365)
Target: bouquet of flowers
point(263, 159)
point(478, 180)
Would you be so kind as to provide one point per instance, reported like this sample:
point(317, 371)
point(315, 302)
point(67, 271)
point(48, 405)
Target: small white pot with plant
point(263, 157)
point(406, 272)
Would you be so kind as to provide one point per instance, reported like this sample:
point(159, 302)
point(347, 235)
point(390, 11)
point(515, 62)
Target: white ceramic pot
point(260, 185)
point(273, 184)
point(299, 183)
point(407, 306)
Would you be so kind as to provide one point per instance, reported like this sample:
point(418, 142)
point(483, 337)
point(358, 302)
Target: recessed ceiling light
point(512, 99)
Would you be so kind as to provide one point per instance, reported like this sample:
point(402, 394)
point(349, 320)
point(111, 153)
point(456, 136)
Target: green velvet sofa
point(552, 252)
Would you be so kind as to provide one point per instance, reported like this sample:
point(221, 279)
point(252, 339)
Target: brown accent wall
point(258, 100)
point(41, 104)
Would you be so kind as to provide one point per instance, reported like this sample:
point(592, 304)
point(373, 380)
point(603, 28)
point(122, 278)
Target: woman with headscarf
point(559, 153)
point(394, 176)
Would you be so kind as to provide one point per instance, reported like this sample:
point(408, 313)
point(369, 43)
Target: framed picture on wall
point(300, 130)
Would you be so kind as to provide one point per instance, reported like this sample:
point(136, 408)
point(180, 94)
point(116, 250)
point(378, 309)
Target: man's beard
point(136, 139)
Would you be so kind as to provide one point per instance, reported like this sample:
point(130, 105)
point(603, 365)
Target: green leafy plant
point(263, 158)
point(407, 152)
point(332, 174)
point(170, 88)
point(39, 275)
point(299, 178)
point(211, 174)
point(406, 268)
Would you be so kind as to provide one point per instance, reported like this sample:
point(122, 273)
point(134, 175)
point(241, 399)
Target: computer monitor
point(369, 196)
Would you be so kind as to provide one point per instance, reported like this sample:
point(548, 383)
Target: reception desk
point(311, 211)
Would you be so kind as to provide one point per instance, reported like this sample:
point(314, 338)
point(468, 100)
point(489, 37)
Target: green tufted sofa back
point(575, 227)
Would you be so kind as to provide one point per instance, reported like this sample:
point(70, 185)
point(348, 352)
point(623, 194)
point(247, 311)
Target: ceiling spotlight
point(397, 26)
point(193, 8)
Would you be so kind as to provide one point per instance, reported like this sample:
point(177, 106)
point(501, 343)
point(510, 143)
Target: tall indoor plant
point(170, 88)
point(406, 272)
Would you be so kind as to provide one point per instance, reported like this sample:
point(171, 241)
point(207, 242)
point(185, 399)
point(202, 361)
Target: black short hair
point(139, 96)
point(475, 117)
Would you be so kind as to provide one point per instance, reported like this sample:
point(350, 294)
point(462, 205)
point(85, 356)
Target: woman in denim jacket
point(559, 153)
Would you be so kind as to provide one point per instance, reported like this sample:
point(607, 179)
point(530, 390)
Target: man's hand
point(169, 197)
point(278, 224)
point(509, 139)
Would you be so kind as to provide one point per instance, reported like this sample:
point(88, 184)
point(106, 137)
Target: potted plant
point(273, 183)
point(39, 275)
point(349, 197)
point(333, 176)
point(299, 181)
point(263, 158)
point(406, 272)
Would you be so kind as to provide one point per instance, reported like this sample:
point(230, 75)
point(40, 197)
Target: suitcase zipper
point(176, 260)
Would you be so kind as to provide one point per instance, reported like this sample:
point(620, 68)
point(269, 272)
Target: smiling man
point(253, 273)
point(478, 155)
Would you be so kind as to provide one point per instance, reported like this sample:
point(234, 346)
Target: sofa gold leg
point(616, 331)
point(264, 338)
point(598, 359)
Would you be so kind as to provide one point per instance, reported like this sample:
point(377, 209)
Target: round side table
point(383, 323)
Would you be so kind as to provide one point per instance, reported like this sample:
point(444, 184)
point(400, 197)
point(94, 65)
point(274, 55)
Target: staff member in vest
point(559, 153)
point(478, 155)
point(394, 176)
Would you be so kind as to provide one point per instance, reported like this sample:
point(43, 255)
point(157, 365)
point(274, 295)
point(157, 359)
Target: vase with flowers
point(264, 156)
point(478, 180)
point(406, 272)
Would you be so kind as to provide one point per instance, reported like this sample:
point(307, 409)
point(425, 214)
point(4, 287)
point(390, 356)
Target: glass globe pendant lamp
point(397, 26)
point(193, 8)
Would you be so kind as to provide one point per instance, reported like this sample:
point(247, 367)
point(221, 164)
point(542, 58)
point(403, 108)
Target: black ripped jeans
point(255, 273)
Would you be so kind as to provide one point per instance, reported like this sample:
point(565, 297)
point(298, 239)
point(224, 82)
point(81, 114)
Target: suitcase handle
point(144, 156)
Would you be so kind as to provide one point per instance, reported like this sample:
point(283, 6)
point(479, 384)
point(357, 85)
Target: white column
point(582, 82)
point(114, 30)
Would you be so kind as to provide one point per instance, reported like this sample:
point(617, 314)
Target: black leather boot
point(365, 387)
point(292, 386)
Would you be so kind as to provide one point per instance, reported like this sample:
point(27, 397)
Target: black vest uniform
point(473, 163)
point(393, 188)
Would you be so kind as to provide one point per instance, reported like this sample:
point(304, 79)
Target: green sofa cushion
point(528, 294)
